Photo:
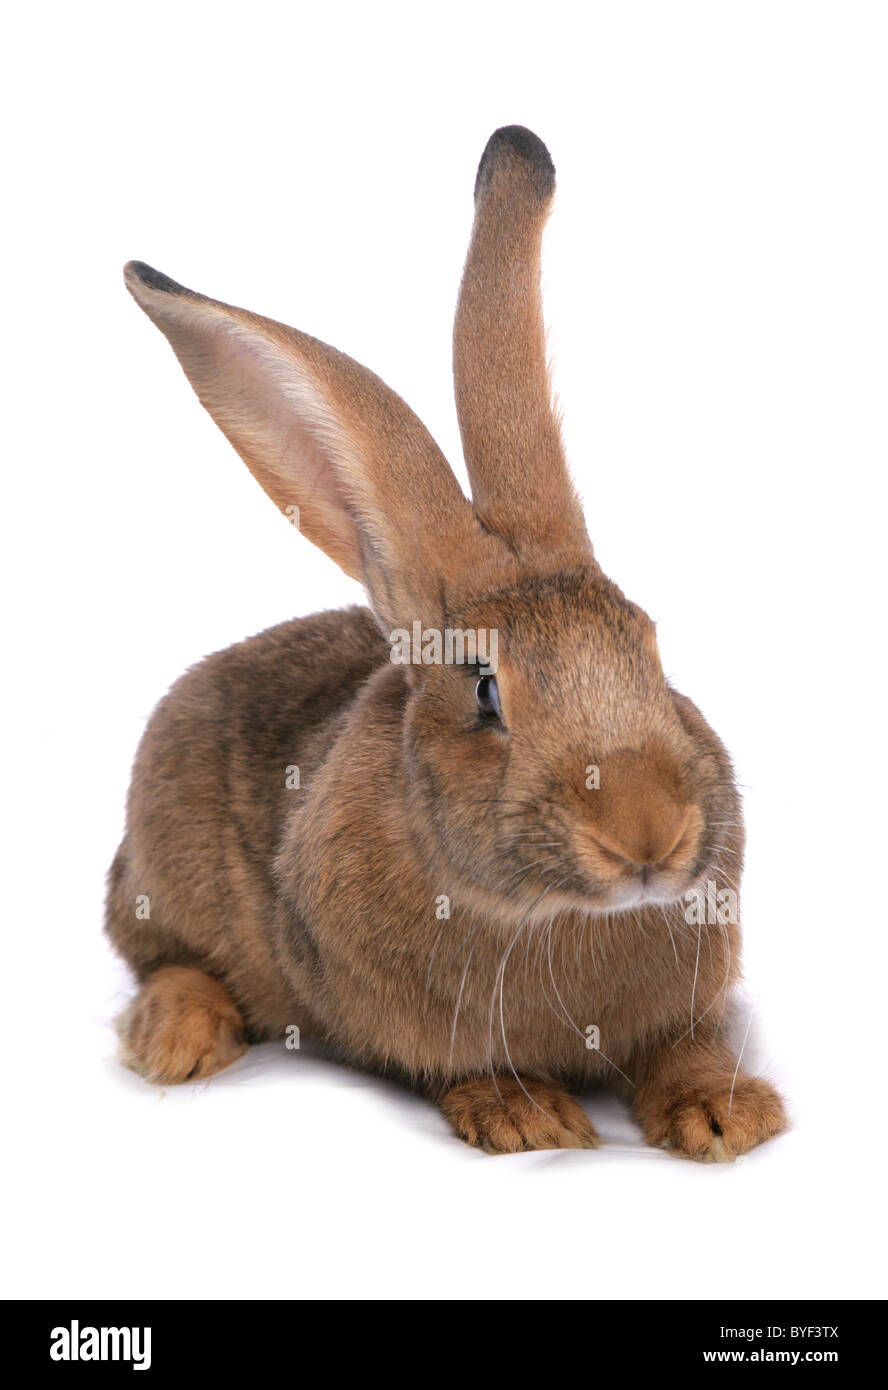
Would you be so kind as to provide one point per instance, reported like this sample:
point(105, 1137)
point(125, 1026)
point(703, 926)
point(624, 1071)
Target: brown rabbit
point(493, 878)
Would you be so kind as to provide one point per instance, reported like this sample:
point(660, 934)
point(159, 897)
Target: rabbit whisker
point(739, 1060)
point(502, 977)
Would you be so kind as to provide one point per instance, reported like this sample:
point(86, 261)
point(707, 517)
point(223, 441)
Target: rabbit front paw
point(510, 1116)
point(717, 1122)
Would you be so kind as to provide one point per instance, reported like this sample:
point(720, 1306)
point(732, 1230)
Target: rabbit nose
point(646, 834)
point(641, 812)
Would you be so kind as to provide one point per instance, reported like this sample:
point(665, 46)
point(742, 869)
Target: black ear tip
point(528, 147)
point(139, 273)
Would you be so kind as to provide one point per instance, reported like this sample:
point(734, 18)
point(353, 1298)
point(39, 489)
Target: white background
point(716, 291)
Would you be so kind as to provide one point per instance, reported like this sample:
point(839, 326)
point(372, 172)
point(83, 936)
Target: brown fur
point(509, 1115)
point(182, 1025)
point(510, 435)
point(319, 906)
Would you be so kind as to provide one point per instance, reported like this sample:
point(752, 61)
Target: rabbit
point(498, 882)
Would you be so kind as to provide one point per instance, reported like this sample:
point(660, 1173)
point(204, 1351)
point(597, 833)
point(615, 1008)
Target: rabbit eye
point(487, 695)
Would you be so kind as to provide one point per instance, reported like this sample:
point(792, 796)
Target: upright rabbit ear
point(515, 458)
point(329, 442)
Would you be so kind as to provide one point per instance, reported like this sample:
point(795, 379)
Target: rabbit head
point(566, 773)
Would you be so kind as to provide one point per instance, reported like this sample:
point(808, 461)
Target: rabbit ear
point(514, 454)
point(324, 436)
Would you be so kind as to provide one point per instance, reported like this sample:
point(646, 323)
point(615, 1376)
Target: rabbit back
point(224, 759)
